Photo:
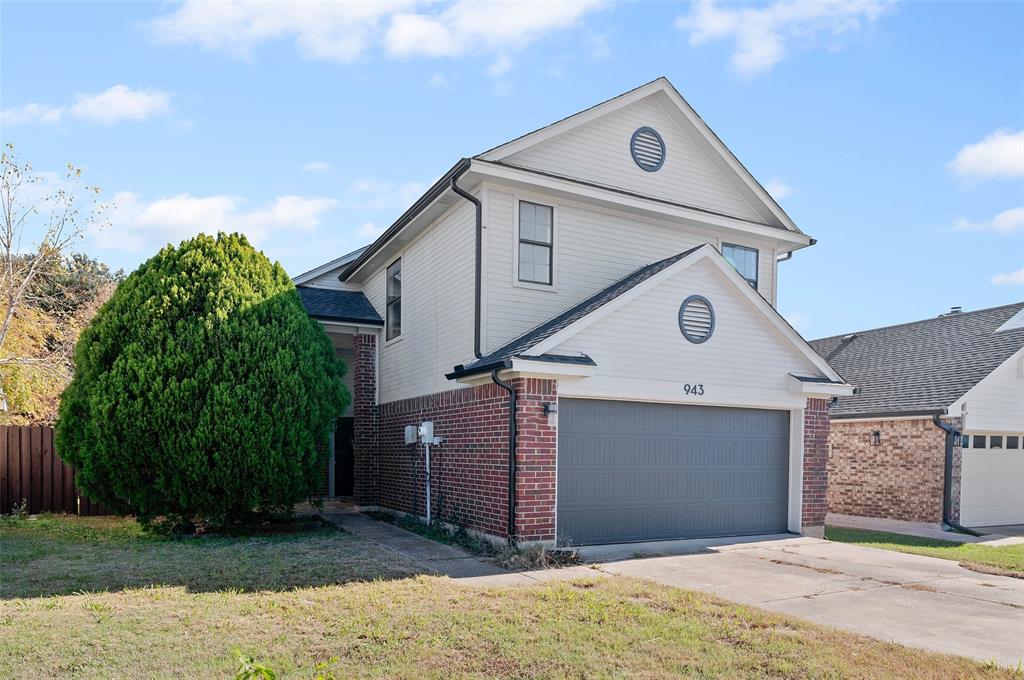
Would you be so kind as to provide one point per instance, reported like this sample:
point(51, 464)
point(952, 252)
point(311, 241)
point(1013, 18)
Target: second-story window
point(744, 260)
point(394, 299)
point(536, 242)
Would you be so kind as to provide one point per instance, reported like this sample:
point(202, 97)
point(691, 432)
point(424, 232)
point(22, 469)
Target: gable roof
point(307, 276)
point(922, 367)
point(715, 147)
point(536, 342)
point(338, 305)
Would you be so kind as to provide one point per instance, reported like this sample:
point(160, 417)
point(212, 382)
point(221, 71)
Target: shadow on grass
point(60, 555)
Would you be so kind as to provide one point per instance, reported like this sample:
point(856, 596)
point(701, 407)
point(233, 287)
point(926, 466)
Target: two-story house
point(587, 316)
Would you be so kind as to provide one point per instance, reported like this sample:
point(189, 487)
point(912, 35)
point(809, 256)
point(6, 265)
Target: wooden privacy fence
point(31, 470)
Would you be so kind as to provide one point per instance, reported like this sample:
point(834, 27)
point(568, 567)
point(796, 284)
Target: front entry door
point(344, 458)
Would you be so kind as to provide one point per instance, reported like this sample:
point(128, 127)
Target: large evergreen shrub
point(201, 389)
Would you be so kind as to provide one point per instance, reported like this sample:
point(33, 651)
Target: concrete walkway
point(1001, 535)
point(912, 600)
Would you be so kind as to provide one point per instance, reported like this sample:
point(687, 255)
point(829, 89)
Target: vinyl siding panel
point(437, 309)
point(593, 248)
point(641, 353)
point(996, 404)
point(599, 152)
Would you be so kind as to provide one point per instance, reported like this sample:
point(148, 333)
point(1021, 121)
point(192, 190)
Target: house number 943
point(696, 390)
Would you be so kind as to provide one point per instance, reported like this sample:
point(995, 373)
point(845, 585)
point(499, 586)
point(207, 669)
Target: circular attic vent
point(696, 319)
point(648, 149)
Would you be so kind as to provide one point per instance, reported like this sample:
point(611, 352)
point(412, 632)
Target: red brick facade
point(815, 468)
point(469, 469)
point(899, 478)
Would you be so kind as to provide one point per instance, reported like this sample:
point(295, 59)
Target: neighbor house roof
point(920, 368)
point(338, 305)
point(519, 346)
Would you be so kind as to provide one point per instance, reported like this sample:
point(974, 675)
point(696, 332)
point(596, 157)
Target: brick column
point(364, 412)
point(535, 460)
point(815, 469)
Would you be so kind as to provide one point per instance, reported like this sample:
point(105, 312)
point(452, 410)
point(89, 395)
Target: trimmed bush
point(201, 389)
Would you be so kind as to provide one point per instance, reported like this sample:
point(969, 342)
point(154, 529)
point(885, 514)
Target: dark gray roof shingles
point(338, 305)
point(919, 367)
point(545, 330)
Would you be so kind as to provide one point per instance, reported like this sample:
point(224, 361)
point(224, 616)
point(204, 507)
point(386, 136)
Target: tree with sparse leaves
point(44, 291)
point(202, 389)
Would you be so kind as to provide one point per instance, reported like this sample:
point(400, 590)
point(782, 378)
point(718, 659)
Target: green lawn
point(1007, 559)
point(95, 598)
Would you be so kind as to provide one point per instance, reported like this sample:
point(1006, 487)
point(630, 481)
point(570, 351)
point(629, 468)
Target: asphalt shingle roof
point(338, 305)
point(545, 330)
point(919, 367)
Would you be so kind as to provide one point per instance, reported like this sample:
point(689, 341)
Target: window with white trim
point(744, 260)
point(393, 312)
point(536, 243)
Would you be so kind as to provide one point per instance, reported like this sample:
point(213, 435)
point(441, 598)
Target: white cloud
point(31, 113)
point(332, 31)
point(120, 103)
point(760, 34)
point(777, 188)
point(1007, 222)
point(138, 225)
point(467, 25)
point(500, 67)
point(599, 47)
point(316, 166)
point(369, 230)
point(1009, 278)
point(1001, 154)
point(439, 81)
point(342, 32)
point(372, 194)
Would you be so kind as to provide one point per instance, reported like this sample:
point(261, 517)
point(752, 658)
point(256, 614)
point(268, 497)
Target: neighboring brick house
point(893, 455)
point(586, 315)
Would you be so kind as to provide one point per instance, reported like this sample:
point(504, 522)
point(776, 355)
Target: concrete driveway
point(909, 599)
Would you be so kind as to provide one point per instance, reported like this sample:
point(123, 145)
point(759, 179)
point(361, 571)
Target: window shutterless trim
point(550, 245)
point(757, 261)
point(389, 301)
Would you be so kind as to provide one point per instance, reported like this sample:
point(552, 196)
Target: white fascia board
point(822, 390)
point(705, 252)
point(354, 329)
point(525, 367)
point(578, 190)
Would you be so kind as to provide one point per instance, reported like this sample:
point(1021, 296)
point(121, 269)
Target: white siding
point(437, 309)
point(593, 248)
point(996, 404)
point(642, 355)
point(599, 152)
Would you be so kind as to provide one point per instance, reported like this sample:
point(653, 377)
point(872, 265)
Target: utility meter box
point(427, 432)
point(410, 434)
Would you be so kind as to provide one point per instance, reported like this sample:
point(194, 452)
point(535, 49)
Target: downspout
point(479, 250)
point(947, 483)
point(511, 454)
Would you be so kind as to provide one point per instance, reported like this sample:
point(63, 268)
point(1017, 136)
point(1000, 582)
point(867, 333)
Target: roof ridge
point(911, 323)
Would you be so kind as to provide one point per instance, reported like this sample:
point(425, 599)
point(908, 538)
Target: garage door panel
point(992, 487)
point(631, 471)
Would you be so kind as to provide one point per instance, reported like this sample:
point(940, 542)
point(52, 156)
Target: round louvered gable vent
point(648, 149)
point(696, 319)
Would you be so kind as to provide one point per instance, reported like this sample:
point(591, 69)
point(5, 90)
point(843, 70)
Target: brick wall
point(901, 478)
point(469, 482)
point(535, 460)
point(815, 472)
point(364, 414)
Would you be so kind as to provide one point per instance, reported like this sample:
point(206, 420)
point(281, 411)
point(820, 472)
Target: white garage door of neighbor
point(992, 487)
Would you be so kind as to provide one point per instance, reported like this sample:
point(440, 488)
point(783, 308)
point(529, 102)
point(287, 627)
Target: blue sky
point(891, 132)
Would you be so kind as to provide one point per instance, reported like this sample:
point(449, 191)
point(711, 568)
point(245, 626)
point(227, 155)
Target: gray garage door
point(633, 471)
